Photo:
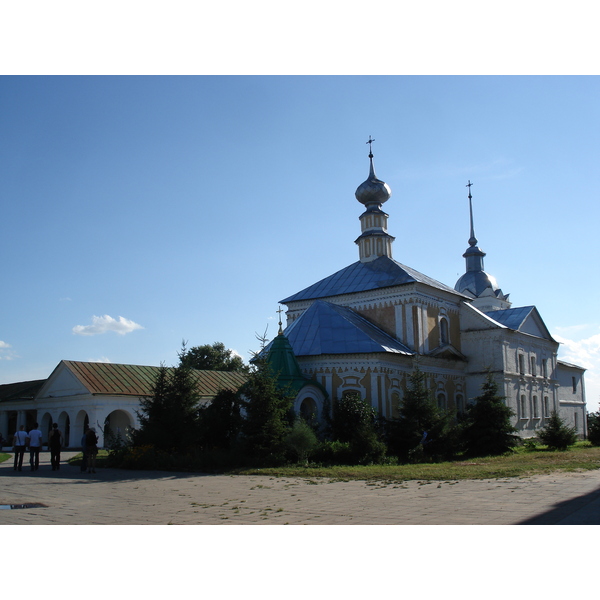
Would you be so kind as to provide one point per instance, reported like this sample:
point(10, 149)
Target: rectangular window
point(521, 364)
point(533, 366)
point(545, 368)
point(536, 413)
point(546, 407)
point(523, 407)
point(574, 382)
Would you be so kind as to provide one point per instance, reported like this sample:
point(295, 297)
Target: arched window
point(308, 409)
point(444, 336)
point(441, 401)
point(536, 413)
point(523, 407)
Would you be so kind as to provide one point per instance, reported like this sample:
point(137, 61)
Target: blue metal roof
point(326, 328)
point(512, 318)
point(360, 277)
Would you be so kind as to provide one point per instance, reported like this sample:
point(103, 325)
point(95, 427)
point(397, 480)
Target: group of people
point(33, 440)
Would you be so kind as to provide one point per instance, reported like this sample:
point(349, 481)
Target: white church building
point(366, 327)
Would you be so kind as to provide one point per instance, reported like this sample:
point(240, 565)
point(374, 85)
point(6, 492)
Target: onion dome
point(373, 191)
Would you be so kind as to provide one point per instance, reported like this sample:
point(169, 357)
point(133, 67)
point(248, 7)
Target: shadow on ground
point(581, 510)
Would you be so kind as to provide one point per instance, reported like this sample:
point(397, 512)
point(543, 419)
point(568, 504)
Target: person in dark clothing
point(20, 443)
point(91, 449)
point(83, 453)
point(55, 443)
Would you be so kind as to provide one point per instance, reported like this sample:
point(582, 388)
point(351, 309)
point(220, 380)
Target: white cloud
point(107, 323)
point(5, 352)
point(586, 354)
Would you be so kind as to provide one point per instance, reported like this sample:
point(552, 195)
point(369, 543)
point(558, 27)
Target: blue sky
point(142, 211)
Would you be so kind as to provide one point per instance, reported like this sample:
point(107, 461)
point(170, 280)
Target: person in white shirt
point(35, 445)
point(19, 442)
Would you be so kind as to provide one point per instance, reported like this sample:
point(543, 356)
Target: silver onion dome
point(373, 191)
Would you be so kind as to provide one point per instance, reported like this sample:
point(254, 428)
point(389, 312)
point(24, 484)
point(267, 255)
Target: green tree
point(169, 417)
point(422, 430)
point(556, 435)
point(213, 357)
point(593, 428)
point(488, 430)
point(221, 421)
point(268, 415)
point(355, 421)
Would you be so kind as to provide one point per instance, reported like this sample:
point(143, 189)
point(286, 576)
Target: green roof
point(285, 368)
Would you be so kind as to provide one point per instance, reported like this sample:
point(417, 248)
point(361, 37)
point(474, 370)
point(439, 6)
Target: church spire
point(472, 239)
point(476, 283)
point(474, 255)
point(374, 240)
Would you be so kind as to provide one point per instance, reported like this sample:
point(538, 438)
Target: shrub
point(333, 452)
point(301, 440)
point(556, 435)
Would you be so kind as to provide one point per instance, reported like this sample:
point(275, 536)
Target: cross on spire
point(280, 329)
point(370, 142)
point(472, 239)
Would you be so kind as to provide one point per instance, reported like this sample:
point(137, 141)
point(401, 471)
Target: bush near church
point(556, 435)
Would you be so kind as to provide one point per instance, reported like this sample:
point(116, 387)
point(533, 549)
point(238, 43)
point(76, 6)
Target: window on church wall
point(574, 384)
point(521, 364)
point(575, 421)
point(536, 414)
point(444, 336)
point(523, 407)
point(545, 368)
point(533, 366)
point(546, 407)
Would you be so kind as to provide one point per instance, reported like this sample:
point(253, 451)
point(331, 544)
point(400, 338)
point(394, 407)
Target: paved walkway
point(117, 497)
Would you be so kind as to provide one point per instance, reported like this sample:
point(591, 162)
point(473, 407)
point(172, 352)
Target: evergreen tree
point(593, 428)
point(355, 421)
point(221, 421)
point(556, 435)
point(268, 415)
point(488, 431)
point(169, 418)
point(422, 430)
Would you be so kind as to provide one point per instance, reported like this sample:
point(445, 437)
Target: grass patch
point(520, 463)
point(4, 456)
